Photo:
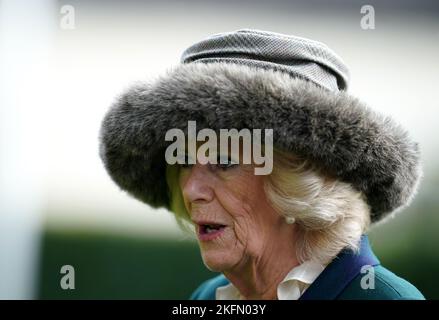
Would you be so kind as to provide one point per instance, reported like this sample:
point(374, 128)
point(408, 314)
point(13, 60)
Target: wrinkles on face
point(240, 213)
point(233, 197)
point(256, 247)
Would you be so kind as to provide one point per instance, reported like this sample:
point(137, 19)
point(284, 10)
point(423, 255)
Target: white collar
point(291, 288)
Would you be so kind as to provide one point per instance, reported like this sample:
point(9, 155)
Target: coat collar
point(340, 272)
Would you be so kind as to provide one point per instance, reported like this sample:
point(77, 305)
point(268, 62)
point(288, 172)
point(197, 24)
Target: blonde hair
point(330, 214)
point(175, 195)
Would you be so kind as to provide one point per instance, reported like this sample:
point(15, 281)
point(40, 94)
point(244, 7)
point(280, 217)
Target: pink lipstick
point(210, 231)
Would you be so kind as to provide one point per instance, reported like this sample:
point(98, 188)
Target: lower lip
point(211, 236)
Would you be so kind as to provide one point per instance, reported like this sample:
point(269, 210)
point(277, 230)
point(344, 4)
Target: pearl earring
point(290, 220)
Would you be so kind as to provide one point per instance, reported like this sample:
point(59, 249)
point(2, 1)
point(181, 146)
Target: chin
point(217, 261)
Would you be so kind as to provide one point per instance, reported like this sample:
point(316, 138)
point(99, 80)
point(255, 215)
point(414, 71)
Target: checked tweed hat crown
point(255, 79)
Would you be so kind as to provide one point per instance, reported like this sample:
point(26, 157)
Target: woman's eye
point(225, 163)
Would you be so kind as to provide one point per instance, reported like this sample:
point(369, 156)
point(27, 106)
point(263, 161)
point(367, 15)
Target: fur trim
point(337, 131)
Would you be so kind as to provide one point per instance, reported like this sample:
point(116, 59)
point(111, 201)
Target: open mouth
point(210, 231)
point(210, 228)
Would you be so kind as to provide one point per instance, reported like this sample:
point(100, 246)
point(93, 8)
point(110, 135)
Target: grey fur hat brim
point(333, 129)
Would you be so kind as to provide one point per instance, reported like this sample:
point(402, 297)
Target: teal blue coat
point(341, 280)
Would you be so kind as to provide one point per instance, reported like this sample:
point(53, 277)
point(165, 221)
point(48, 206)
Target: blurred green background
point(119, 267)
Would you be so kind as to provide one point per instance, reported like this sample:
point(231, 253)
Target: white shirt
point(291, 288)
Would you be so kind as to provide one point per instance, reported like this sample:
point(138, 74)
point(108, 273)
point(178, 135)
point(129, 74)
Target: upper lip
point(208, 222)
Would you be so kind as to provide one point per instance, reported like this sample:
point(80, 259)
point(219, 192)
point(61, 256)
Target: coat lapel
point(340, 272)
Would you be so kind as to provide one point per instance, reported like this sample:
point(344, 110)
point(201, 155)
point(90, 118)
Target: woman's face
point(233, 218)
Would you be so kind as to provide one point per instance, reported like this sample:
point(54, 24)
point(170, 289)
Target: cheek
point(240, 215)
point(245, 201)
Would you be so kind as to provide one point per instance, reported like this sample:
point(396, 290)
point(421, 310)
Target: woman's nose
point(197, 187)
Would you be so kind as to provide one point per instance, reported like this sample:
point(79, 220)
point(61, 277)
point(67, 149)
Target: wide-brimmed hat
point(255, 79)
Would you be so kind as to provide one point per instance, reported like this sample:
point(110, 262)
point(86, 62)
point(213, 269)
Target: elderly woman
point(298, 232)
